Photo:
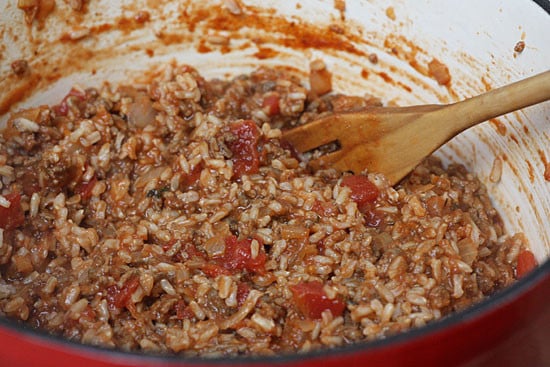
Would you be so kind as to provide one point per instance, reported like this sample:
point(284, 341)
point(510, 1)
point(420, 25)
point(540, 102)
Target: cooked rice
point(132, 200)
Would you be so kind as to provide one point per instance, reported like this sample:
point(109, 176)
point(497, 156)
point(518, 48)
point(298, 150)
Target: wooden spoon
point(393, 141)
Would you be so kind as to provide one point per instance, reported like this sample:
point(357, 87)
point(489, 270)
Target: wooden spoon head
point(384, 140)
point(393, 141)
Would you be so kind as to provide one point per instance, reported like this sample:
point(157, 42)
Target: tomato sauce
point(12, 217)
point(311, 300)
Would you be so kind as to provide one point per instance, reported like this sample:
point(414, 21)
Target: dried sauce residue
point(340, 5)
point(203, 47)
point(36, 9)
point(135, 21)
point(234, 6)
point(77, 5)
point(390, 12)
point(388, 79)
point(406, 50)
point(486, 83)
point(123, 24)
point(519, 47)
point(499, 126)
point(142, 16)
point(439, 72)
point(168, 38)
point(17, 93)
point(275, 29)
point(20, 67)
point(530, 171)
point(75, 34)
point(265, 53)
point(373, 58)
point(257, 28)
point(545, 164)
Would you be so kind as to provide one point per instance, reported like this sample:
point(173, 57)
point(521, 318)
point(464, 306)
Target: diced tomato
point(324, 208)
point(189, 180)
point(311, 300)
point(243, 289)
point(246, 158)
point(526, 263)
point(363, 191)
point(270, 104)
point(63, 108)
point(119, 297)
point(238, 256)
point(12, 217)
point(85, 188)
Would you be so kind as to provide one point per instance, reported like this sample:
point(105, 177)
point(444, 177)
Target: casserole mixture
point(170, 218)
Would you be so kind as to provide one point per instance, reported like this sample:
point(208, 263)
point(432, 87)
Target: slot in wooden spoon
point(394, 140)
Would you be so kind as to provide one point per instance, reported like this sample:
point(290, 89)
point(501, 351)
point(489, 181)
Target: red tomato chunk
point(526, 263)
point(238, 256)
point(311, 300)
point(271, 104)
point(363, 191)
point(119, 297)
point(246, 158)
point(12, 217)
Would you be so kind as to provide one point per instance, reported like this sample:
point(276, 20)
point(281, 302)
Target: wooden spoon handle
point(500, 101)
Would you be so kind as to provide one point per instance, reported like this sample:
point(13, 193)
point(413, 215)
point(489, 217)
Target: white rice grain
point(167, 287)
point(265, 324)
point(5, 203)
point(25, 125)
